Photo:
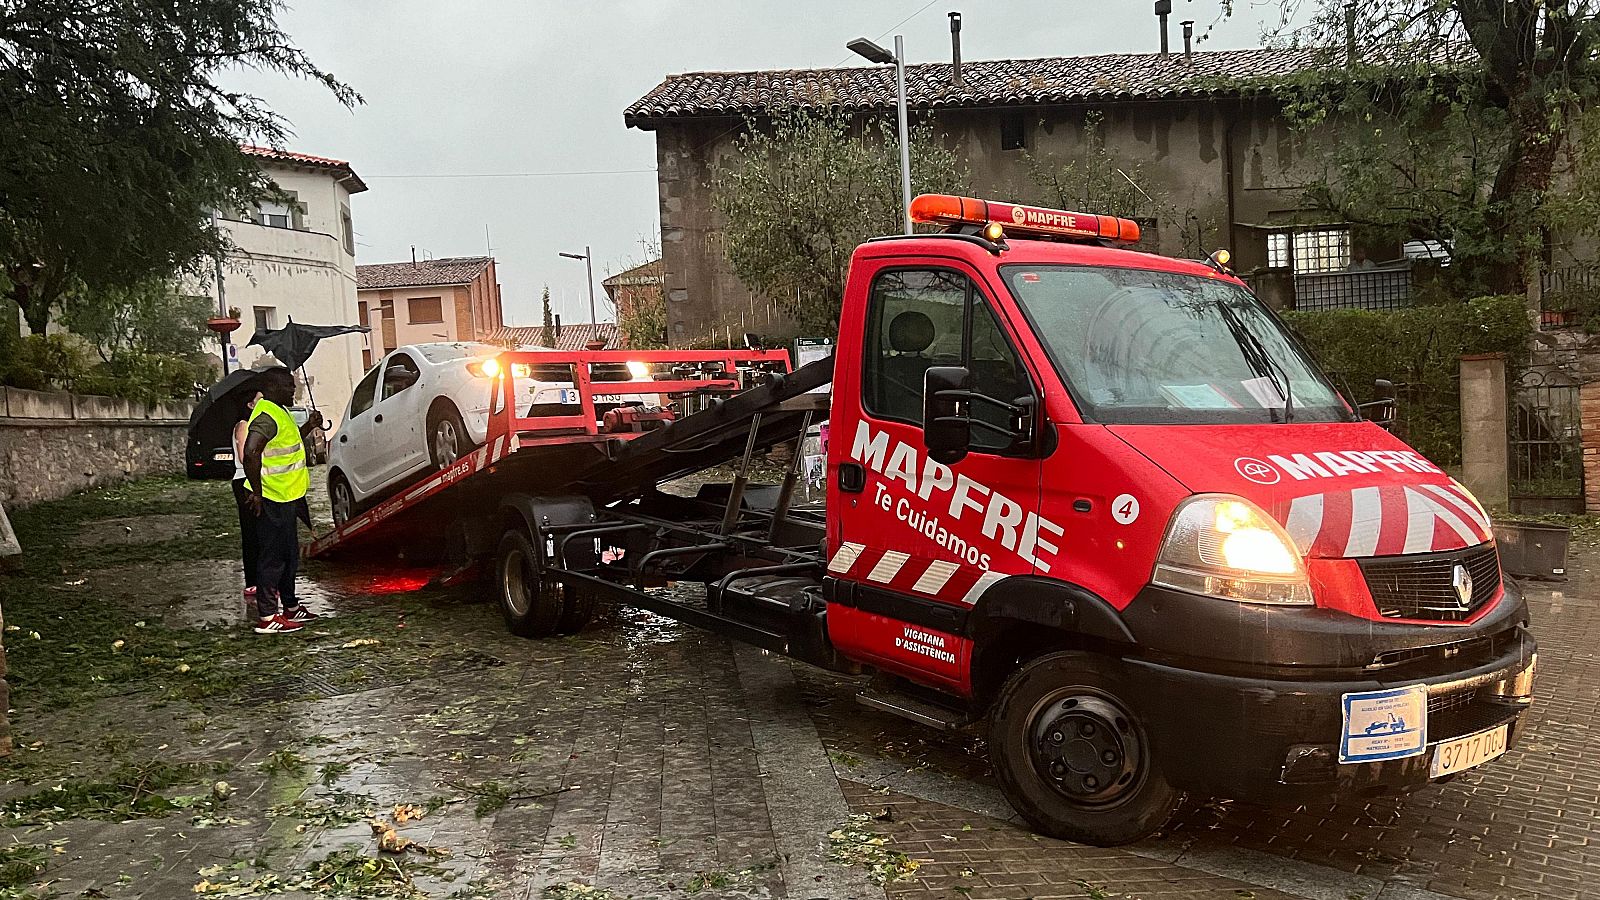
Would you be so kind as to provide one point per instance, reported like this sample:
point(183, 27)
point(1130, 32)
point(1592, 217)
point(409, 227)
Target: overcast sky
point(465, 98)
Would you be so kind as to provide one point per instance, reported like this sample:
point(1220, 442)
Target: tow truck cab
point(1104, 497)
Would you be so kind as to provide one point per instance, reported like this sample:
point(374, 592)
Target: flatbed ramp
point(751, 403)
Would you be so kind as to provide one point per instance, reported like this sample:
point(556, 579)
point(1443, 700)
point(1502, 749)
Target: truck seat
point(900, 391)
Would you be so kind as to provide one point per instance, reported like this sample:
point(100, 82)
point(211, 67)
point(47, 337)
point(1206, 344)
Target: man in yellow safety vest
point(276, 475)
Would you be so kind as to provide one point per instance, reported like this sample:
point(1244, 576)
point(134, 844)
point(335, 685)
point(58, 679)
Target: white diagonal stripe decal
point(845, 557)
point(1422, 512)
point(888, 567)
point(935, 578)
point(1305, 521)
point(1460, 499)
point(975, 593)
point(1366, 521)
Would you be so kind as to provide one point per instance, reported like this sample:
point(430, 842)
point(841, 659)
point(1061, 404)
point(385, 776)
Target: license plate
point(569, 396)
point(1465, 752)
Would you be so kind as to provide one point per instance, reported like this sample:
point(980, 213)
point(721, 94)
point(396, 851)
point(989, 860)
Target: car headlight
point(484, 368)
point(1224, 546)
point(638, 370)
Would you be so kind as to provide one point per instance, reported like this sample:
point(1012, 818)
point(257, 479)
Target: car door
point(353, 445)
point(925, 538)
point(397, 438)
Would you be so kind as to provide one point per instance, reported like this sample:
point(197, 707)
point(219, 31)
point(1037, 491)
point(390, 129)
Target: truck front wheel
point(532, 606)
point(1072, 755)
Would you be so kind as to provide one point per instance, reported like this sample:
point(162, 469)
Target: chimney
point(955, 48)
point(1163, 9)
point(1188, 39)
point(558, 326)
point(413, 254)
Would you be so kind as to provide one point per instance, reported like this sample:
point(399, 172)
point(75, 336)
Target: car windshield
point(1143, 347)
point(438, 353)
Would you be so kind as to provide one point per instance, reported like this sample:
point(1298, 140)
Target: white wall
point(306, 275)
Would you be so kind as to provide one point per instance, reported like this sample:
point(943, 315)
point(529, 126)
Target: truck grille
point(1422, 586)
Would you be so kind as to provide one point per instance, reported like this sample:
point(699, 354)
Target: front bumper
point(1270, 733)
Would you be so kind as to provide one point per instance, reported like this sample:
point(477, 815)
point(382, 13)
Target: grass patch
point(20, 868)
point(129, 791)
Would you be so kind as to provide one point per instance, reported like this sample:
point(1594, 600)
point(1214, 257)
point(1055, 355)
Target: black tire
point(579, 610)
point(1072, 756)
point(341, 498)
point(533, 607)
point(447, 436)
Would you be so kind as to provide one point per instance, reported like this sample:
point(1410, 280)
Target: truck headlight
point(1224, 546)
point(638, 370)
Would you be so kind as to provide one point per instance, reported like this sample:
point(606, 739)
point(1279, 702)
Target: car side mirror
point(1383, 410)
point(946, 432)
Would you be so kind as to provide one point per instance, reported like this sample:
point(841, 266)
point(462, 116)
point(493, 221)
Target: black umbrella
point(292, 344)
point(211, 423)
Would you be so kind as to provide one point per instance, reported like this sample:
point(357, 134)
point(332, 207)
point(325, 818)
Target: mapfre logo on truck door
point(967, 518)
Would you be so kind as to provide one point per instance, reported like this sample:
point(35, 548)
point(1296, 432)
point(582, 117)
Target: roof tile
point(1059, 79)
point(423, 273)
point(575, 336)
point(306, 159)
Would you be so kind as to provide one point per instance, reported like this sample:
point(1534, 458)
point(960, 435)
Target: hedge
point(1420, 350)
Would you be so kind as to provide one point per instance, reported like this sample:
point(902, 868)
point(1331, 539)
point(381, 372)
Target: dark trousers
point(247, 533)
point(278, 538)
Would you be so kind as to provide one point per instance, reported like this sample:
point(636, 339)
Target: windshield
point(1143, 347)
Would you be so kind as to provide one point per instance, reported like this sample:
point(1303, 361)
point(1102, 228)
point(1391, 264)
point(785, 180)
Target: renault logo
point(1461, 582)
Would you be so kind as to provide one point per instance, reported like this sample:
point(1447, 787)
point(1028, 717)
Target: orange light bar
point(948, 209)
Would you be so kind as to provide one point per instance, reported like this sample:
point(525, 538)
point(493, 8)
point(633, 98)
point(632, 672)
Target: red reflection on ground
point(399, 583)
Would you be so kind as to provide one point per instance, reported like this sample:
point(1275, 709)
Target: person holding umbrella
point(276, 473)
point(241, 492)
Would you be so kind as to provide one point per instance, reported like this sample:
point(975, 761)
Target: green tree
point(1451, 119)
point(798, 195)
point(548, 338)
point(148, 317)
point(119, 142)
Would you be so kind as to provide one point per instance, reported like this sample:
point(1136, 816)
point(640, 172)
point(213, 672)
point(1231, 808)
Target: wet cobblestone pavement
point(639, 759)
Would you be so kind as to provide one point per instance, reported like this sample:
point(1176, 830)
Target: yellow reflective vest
point(284, 477)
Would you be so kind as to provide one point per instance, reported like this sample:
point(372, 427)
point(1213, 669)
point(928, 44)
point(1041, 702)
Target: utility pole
point(588, 265)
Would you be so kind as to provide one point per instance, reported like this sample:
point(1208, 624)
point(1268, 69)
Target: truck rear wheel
point(1072, 756)
point(532, 606)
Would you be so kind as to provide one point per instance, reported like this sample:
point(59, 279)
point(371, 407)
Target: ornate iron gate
point(1546, 445)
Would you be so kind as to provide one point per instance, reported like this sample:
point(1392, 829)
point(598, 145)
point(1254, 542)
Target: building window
point(347, 229)
point(266, 318)
point(425, 311)
point(1311, 251)
point(1013, 130)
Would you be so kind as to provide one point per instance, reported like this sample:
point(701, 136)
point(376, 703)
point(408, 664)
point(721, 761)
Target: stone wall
point(53, 445)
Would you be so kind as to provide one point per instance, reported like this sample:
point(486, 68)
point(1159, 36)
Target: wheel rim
point(445, 442)
point(514, 583)
point(343, 507)
point(1088, 747)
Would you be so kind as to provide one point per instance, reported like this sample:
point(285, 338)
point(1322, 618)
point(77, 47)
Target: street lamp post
point(588, 264)
point(874, 53)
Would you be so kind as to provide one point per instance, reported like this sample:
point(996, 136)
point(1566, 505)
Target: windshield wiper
point(1259, 360)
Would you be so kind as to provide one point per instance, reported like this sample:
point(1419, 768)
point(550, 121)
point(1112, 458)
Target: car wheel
point(1072, 755)
point(447, 437)
point(341, 498)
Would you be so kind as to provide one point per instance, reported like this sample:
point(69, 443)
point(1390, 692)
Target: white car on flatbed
point(424, 406)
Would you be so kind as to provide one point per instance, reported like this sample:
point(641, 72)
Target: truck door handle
point(852, 478)
point(378, 417)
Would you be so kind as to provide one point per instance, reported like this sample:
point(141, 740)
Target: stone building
point(1209, 144)
point(419, 302)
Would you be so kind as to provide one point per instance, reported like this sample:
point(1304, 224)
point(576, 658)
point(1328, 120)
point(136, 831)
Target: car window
point(399, 372)
point(361, 400)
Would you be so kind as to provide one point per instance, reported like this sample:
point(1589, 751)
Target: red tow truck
point(1096, 501)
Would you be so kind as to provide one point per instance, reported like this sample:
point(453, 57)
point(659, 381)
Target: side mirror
point(1382, 410)
point(945, 431)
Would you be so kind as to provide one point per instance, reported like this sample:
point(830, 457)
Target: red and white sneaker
point(250, 592)
point(301, 614)
point(276, 625)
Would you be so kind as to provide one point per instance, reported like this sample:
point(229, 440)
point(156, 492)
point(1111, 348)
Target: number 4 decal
point(1125, 509)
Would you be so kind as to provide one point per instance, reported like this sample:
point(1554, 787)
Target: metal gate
point(1546, 444)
